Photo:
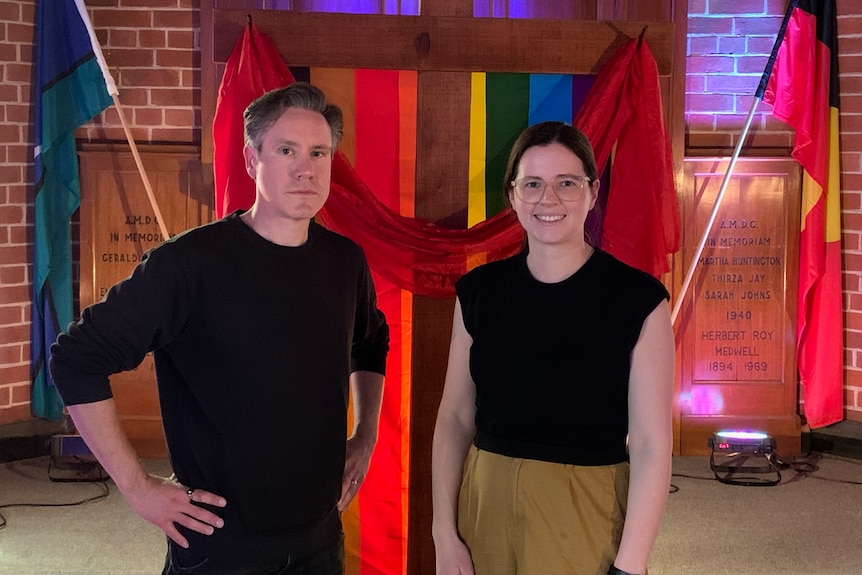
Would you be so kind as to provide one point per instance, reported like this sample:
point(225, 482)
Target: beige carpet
point(803, 526)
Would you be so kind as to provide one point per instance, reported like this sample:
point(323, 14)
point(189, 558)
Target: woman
point(552, 447)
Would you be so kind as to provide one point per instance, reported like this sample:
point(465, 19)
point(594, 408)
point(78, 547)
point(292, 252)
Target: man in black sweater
point(257, 323)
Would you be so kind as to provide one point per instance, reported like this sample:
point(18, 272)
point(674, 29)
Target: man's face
point(293, 168)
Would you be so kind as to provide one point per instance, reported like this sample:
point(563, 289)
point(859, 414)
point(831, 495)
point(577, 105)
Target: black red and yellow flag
point(801, 83)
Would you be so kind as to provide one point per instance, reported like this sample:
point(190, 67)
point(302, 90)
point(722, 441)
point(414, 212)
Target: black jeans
point(328, 560)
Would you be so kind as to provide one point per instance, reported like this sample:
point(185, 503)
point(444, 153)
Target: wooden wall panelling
point(117, 227)
point(442, 168)
point(453, 44)
point(737, 323)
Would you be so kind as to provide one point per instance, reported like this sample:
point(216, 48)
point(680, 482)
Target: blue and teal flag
point(72, 86)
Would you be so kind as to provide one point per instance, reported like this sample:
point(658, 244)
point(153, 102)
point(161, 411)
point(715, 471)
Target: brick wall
point(16, 38)
point(850, 67)
point(151, 49)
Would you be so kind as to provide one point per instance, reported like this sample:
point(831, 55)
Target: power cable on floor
point(105, 491)
point(802, 466)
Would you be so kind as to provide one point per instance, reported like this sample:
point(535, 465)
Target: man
point(256, 322)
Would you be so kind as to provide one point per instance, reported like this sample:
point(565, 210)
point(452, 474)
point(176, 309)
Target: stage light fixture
point(734, 448)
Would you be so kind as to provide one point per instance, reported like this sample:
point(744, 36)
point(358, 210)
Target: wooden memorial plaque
point(737, 325)
point(117, 226)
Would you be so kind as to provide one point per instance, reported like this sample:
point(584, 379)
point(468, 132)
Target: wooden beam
point(455, 44)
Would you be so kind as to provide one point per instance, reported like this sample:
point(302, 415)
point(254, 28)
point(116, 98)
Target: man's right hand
point(166, 504)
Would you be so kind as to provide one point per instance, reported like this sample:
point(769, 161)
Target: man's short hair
point(267, 109)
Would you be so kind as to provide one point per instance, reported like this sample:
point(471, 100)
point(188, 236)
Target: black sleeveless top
point(551, 362)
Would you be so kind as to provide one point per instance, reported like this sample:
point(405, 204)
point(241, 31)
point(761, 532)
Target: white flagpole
point(693, 265)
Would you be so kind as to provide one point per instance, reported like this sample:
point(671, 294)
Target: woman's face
point(551, 220)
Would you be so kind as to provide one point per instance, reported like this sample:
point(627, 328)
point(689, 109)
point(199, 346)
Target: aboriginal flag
point(801, 84)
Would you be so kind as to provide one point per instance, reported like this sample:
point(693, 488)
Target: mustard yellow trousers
point(528, 517)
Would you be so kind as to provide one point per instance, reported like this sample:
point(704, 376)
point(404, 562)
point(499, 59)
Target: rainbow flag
point(380, 142)
point(801, 83)
point(380, 111)
point(501, 106)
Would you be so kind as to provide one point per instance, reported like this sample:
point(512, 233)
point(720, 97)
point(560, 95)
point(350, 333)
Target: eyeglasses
point(567, 188)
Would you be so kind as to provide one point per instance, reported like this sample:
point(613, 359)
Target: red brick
point(172, 97)
point(134, 97)
point(760, 44)
point(696, 7)
point(148, 117)
point(181, 39)
point(10, 275)
point(11, 314)
point(709, 64)
point(11, 214)
point(190, 78)
point(753, 7)
point(751, 65)
point(152, 38)
point(766, 25)
point(732, 84)
point(8, 53)
point(709, 102)
point(850, 25)
point(15, 413)
point(731, 45)
point(850, 104)
point(853, 320)
point(122, 38)
point(851, 201)
point(5, 397)
point(776, 7)
point(853, 221)
point(192, 136)
point(11, 11)
point(154, 77)
point(183, 19)
point(122, 19)
point(710, 26)
point(12, 175)
point(11, 354)
point(14, 294)
point(15, 373)
point(702, 45)
point(695, 84)
point(184, 118)
point(850, 84)
point(19, 33)
point(17, 113)
point(852, 181)
point(20, 394)
point(178, 59)
point(129, 58)
point(849, 64)
point(851, 122)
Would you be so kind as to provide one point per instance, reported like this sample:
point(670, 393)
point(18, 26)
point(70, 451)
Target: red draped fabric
point(623, 108)
point(641, 223)
point(254, 68)
point(641, 227)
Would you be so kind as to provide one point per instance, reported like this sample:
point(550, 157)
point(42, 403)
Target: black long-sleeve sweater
point(253, 344)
